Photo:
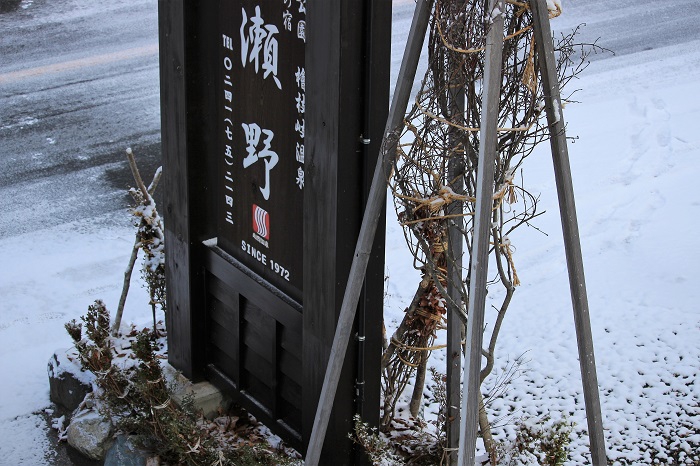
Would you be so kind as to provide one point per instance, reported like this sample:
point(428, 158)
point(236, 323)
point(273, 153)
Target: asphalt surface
point(79, 84)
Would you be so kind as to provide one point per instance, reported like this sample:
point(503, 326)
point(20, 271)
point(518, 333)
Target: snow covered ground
point(633, 166)
point(48, 278)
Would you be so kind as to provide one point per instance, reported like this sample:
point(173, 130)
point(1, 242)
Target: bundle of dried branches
point(434, 176)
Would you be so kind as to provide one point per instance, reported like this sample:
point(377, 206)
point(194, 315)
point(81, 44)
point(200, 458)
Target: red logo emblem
point(261, 222)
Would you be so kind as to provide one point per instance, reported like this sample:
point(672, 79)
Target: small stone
point(90, 434)
point(207, 399)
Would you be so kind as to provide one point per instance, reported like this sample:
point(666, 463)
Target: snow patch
point(554, 6)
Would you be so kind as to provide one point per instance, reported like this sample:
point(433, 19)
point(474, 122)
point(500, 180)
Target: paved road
point(630, 26)
point(622, 26)
point(78, 84)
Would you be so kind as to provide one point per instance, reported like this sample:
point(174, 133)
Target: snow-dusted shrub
point(132, 392)
point(538, 442)
point(409, 441)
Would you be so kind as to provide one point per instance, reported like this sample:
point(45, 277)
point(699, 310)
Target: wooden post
point(347, 90)
point(176, 184)
point(185, 84)
point(370, 319)
point(569, 222)
point(367, 231)
point(480, 246)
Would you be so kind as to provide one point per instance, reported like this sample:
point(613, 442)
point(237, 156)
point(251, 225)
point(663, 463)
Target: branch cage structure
point(433, 178)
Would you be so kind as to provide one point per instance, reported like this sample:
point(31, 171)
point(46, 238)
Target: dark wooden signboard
point(262, 127)
point(272, 116)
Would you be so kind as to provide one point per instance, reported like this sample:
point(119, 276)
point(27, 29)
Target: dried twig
point(146, 193)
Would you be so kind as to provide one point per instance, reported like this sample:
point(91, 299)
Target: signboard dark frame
point(266, 346)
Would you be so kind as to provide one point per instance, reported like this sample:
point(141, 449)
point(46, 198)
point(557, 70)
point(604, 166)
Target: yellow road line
point(71, 65)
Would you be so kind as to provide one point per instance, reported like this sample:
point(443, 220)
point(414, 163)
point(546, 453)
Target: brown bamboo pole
point(569, 222)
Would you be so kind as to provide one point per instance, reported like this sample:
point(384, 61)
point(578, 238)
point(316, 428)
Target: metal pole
point(455, 253)
point(488, 143)
point(375, 202)
point(572, 244)
point(455, 327)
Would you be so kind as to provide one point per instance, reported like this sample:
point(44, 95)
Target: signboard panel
point(241, 211)
point(261, 105)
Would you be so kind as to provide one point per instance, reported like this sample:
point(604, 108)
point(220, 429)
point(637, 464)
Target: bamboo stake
point(569, 222)
point(480, 247)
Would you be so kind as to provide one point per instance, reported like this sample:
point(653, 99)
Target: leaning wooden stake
point(125, 287)
point(478, 273)
point(569, 222)
point(375, 203)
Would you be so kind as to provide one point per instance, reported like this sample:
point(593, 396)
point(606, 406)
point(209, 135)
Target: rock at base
point(125, 452)
point(206, 397)
point(68, 383)
point(90, 434)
